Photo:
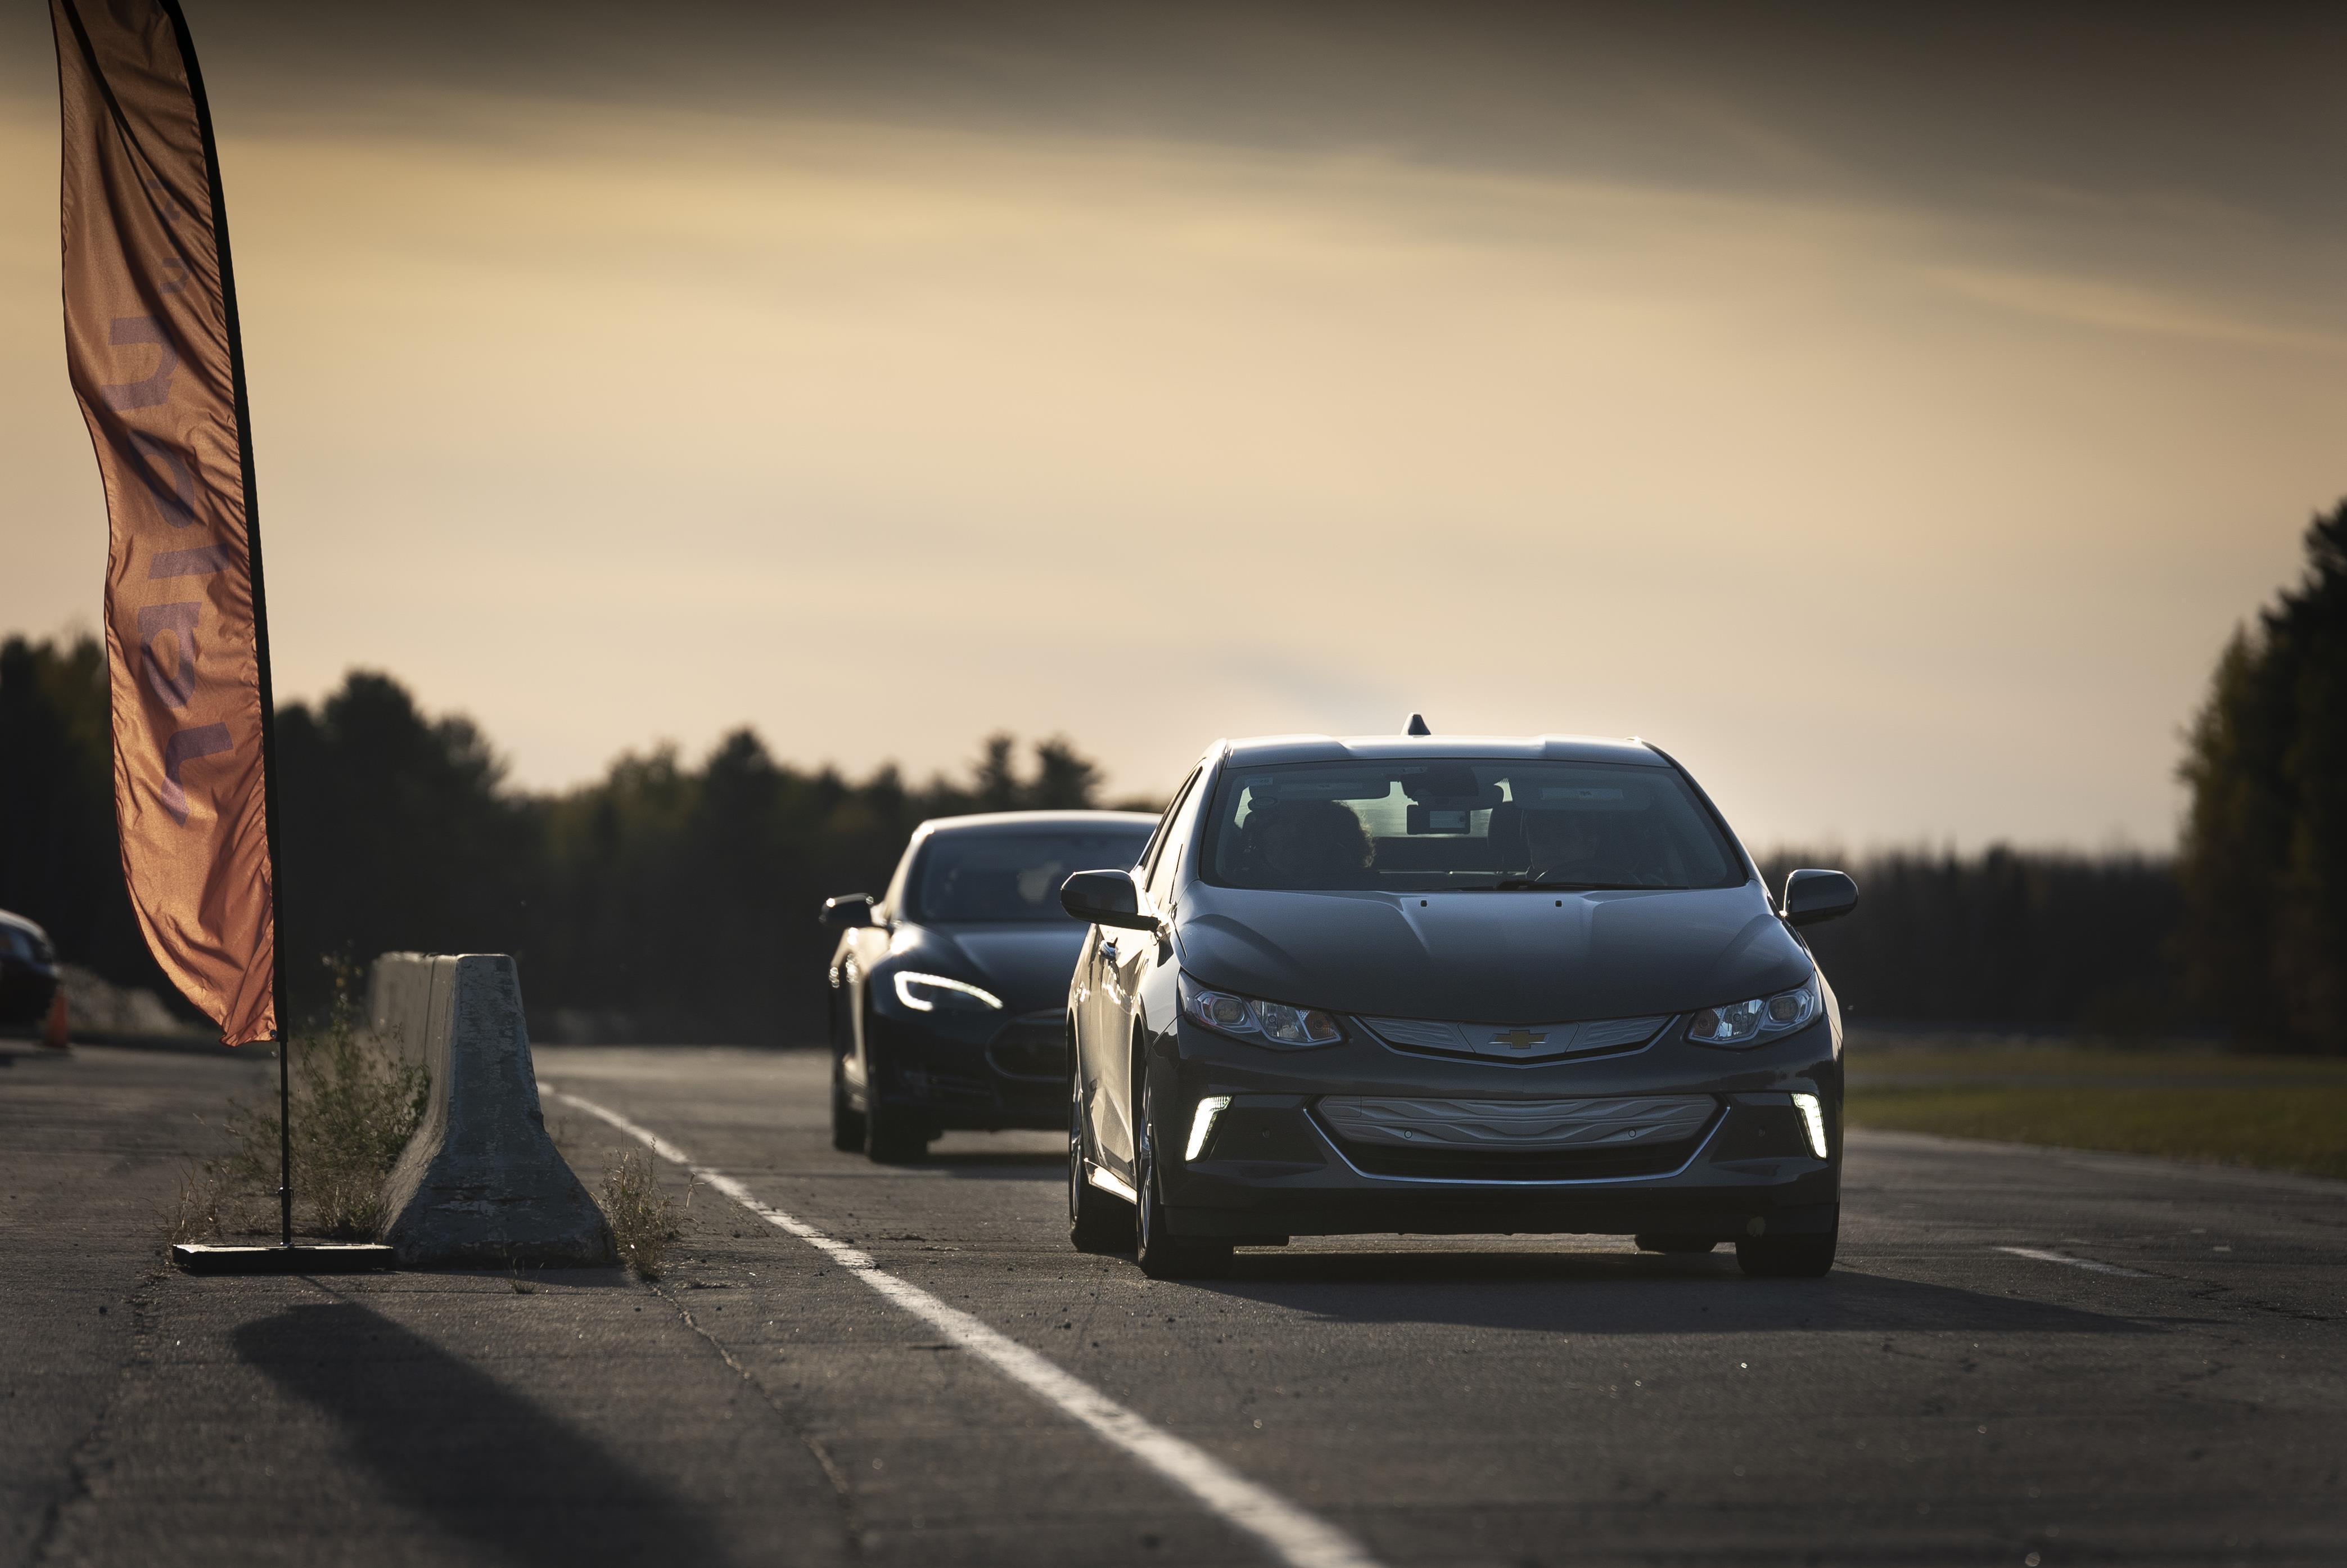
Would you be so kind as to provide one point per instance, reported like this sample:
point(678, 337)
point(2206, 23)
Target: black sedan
point(950, 991)
point(1442, 986)
point(29, 971)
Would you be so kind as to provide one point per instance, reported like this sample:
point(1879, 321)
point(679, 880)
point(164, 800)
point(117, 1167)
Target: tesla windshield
point(1473, 823)
point(987, 877)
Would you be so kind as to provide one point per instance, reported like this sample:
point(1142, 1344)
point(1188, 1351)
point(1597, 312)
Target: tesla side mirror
point(847, 910)
point(1106, 898)
point(1814, 895)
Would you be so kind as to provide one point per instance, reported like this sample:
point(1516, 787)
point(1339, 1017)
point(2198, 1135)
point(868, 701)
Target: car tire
point(1161, 1253)
point(1675, 1243)
point(847, 1123)
point(1097, 1220)
point(1789, 1256)
point(892, 1136)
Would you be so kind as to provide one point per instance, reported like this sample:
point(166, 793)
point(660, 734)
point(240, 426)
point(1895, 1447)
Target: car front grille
point(1518, 1140)
point(1518, 1042)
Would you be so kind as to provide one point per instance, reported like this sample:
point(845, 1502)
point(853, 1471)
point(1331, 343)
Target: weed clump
point(356, 1105)
point(194, 1213)
point(643, 1222)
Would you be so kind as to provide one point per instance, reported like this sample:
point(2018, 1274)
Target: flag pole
point(269, 797)
point(118, 255)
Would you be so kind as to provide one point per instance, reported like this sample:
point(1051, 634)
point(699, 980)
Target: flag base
point(326, 1258)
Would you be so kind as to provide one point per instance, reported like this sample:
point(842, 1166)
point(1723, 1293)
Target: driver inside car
point(1308, 843)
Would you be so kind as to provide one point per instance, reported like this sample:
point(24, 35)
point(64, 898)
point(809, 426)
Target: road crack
point(850, 1524)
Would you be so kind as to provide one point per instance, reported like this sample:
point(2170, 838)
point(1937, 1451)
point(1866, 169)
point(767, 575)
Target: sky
point(1890, 415)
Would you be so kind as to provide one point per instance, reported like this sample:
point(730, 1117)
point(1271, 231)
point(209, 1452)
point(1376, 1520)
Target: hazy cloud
point(1891, 413)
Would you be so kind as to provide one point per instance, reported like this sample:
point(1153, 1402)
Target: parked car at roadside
point(29, 971)
point(1436, 985)
point(948, 992)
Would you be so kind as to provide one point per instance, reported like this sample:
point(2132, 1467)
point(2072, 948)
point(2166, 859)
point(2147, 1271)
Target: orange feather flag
point(152, 349)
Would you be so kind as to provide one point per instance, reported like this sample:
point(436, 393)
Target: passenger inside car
point(1310, 843)
point(1450, 826)
point(1582, 845)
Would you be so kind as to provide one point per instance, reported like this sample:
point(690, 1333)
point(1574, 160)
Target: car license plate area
point(1591, 1138)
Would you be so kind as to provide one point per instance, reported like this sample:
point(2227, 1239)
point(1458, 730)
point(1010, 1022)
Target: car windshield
point(1015, 876)
point(1462, 825)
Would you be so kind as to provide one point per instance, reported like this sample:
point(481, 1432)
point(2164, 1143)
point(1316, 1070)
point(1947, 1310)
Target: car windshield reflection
point(1466, 825)
point(980, 878)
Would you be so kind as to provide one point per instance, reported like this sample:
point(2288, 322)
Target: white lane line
point(1300, 1539)
point(2088, 1264)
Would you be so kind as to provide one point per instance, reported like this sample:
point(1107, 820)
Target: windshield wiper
point(1525, 884)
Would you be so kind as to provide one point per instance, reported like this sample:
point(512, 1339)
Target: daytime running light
point(1201, 1125)
point(1813, 1120)
point(908, 979)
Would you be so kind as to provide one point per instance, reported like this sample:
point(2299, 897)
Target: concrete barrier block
point(480, 1183)
point(399, 1003)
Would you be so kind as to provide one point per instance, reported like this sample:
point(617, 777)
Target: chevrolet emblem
point(1520, 1039)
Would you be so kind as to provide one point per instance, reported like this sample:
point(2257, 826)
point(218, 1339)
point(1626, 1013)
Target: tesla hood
point(1028, 963)
point(1490, 957)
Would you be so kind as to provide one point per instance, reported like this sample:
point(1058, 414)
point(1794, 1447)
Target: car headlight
point(928, 993)
point(1275, 1024)
point(1763, 1017)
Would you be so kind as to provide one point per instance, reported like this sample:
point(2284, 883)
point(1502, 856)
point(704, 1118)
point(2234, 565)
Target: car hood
point(1491, 957)
point(1028, 965)
point(10, 917)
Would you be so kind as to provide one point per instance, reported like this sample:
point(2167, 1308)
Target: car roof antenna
point(1417, 725)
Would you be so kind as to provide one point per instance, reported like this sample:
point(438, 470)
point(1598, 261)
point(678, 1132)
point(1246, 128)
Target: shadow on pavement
point(474, 1458)
point(1628, 1294)
point(1008, 1165)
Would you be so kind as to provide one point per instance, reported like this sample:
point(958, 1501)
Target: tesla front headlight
point(1762, 1018)
point(1275, 1024)
point(928, 993)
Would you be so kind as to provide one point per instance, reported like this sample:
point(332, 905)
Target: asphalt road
point(1936, 1399)
point(2155, 1377)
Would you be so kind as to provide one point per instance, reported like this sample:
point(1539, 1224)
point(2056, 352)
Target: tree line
point(669, 900)
point(664, 901)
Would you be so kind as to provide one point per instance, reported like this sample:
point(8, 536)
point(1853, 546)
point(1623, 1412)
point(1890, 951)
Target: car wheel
point(1789, 1256)
point(892, 1136)
point(1675, 1243)
point(847, 1123)
point(1097, 1220)
point(1161, 1253)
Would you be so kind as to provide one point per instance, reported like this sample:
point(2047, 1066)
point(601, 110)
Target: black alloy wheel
point(1789, 1256)
point(1097, 1220)
point(1161, 1253)
point(1648, 1242)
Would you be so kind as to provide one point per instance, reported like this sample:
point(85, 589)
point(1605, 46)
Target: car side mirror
point(1814, 895)
point(1106, 898)
point(847, 911)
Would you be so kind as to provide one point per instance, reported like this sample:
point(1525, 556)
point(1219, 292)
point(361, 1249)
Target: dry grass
point(643, 1221)
point(354, 1107)
point(2274, 1113)
point(194, 1213)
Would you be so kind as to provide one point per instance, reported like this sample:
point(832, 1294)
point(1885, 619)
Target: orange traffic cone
point(57, 1035)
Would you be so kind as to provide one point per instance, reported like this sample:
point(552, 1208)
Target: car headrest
point(1509, 850)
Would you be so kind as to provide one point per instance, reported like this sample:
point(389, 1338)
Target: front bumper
point(1286, 1158)
point(971, 1072)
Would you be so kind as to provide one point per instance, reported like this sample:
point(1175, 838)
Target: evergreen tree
point(2264, 856)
